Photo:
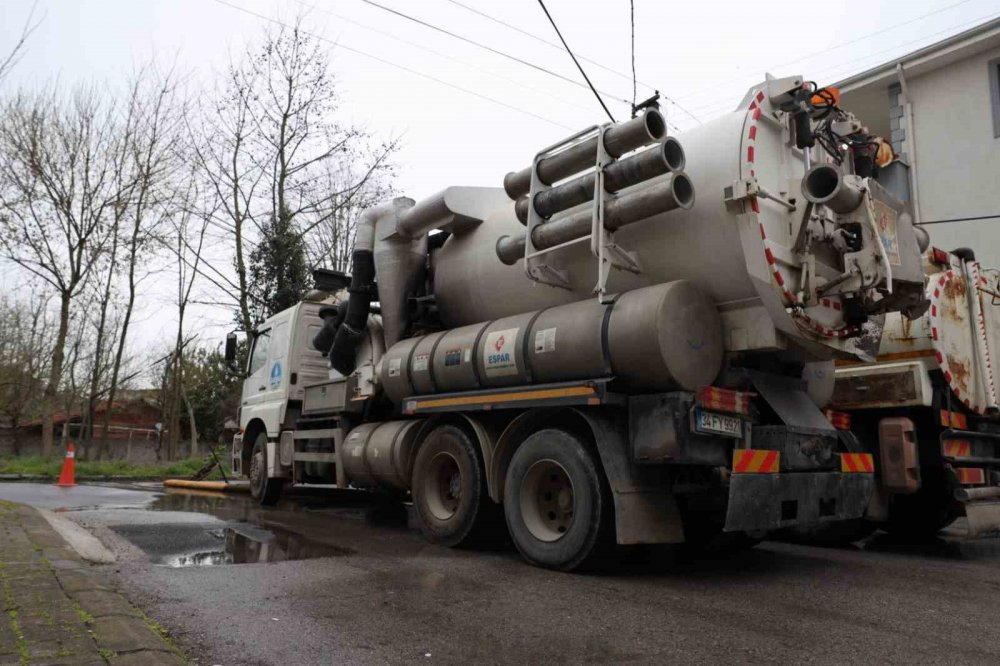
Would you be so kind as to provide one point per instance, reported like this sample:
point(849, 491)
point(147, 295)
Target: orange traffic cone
point(66, 477)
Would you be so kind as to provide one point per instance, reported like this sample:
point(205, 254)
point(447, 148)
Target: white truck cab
point(281, 363)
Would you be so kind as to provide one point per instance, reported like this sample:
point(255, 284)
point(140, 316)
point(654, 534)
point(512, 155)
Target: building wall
point(958, 158)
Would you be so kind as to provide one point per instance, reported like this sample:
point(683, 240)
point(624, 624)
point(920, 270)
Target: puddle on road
point(238, 547)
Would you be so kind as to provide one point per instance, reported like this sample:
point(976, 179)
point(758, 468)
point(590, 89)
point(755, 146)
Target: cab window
point(259, 354)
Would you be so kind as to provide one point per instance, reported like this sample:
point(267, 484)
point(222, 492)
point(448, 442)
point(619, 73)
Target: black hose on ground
point(351, 331)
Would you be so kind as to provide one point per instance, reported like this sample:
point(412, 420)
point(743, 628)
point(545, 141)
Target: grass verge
point(50, 467)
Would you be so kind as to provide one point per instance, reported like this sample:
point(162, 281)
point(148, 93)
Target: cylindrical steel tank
point(737, 243)
point(657, 338)
point(380, 453)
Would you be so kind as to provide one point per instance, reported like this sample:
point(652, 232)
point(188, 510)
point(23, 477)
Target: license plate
point(719, 424)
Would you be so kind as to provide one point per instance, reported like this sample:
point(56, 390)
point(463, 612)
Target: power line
point(833, 48)
point(708, 107)
point(526, 33)
point(576, 62)
point(631, 15)
point(480, 45)
point(439, 54)
point(397, 66)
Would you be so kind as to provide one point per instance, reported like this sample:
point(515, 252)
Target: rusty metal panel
point(883, 385)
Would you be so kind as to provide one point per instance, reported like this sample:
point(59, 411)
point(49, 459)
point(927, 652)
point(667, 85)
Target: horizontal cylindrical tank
point(380, 453)
point(657, 338)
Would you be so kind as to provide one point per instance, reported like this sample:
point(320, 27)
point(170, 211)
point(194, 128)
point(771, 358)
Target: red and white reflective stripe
point(839, 420)
point(936, 313)
point(724, 400)
point(803, 320)
point(857, 463)
point(956, 448)
point(968, 476)
point(984, 338)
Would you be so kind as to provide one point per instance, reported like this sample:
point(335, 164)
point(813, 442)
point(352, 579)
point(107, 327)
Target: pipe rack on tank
point(650, 127)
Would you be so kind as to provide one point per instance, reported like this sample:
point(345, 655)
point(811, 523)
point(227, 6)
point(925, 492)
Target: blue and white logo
point(275, 381)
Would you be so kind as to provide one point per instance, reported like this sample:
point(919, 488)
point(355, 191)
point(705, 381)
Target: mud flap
point(771, 501)
point(984, 518)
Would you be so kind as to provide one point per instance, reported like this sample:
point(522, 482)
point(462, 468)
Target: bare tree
point(152, 130)
point(277, 158)
point(56, 189)
point(25, 338)
point(15, 54)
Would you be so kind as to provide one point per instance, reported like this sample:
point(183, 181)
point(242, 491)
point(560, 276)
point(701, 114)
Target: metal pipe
point(662, 158)
point(675, 191)
point(647, 128)
point(969, 494)
point(823, 184)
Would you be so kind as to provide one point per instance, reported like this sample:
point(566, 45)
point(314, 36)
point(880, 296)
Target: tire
point(921, 515)
point(266, 491)
point(558, 510)
point(448, 487)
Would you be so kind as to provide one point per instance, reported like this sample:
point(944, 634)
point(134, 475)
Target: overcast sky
point(486, 114)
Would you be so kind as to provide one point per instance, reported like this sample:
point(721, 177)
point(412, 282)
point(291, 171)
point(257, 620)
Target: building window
point(995, 95)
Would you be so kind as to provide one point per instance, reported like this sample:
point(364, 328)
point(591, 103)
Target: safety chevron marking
point(754, 461)
point(956, 448)
point(857, 462)
point(970, 475)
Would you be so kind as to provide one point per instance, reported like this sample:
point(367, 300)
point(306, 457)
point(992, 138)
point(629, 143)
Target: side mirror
point(230, 353)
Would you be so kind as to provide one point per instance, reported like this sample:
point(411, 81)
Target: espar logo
point(498, 345)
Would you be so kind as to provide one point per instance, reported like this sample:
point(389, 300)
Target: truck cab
point(280, 364)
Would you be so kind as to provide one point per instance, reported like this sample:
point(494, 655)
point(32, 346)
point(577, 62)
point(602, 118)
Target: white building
point(940, 107)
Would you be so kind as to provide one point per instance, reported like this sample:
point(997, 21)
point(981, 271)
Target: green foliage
point(50, 467)
point(278, 275)
point(214, 393)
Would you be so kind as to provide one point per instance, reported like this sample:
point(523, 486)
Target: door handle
point(262, 388)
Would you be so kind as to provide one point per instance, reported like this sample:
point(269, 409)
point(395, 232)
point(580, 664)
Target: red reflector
point(939, 256)
point(723, 400)
point(956, 448)
point(970, 475)
point(838, 420)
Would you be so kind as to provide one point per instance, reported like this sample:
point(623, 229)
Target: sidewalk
point(58, 609)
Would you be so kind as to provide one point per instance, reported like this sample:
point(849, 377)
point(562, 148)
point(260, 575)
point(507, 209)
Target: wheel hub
point(443, 486)
point(547, 501)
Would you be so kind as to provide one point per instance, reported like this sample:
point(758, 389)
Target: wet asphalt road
point(224, 576)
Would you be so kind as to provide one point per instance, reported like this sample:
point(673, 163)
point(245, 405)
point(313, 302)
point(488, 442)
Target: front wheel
point(266, 491)
point(557, 508)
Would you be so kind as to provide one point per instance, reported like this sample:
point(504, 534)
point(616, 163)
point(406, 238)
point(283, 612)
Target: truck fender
point(486, 429)
point(645, 509)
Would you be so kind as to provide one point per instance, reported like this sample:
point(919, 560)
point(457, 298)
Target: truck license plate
point(719, 424)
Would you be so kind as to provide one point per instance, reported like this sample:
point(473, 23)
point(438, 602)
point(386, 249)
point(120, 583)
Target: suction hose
point(351, 332)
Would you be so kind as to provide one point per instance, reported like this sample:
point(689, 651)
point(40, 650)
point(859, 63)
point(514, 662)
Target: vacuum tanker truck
point(596, 349)
point(928, 410)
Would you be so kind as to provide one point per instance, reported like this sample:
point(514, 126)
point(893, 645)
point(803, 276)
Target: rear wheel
point(448, 486)
point(557, 508)
point(266, 491)
point(927, 511)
